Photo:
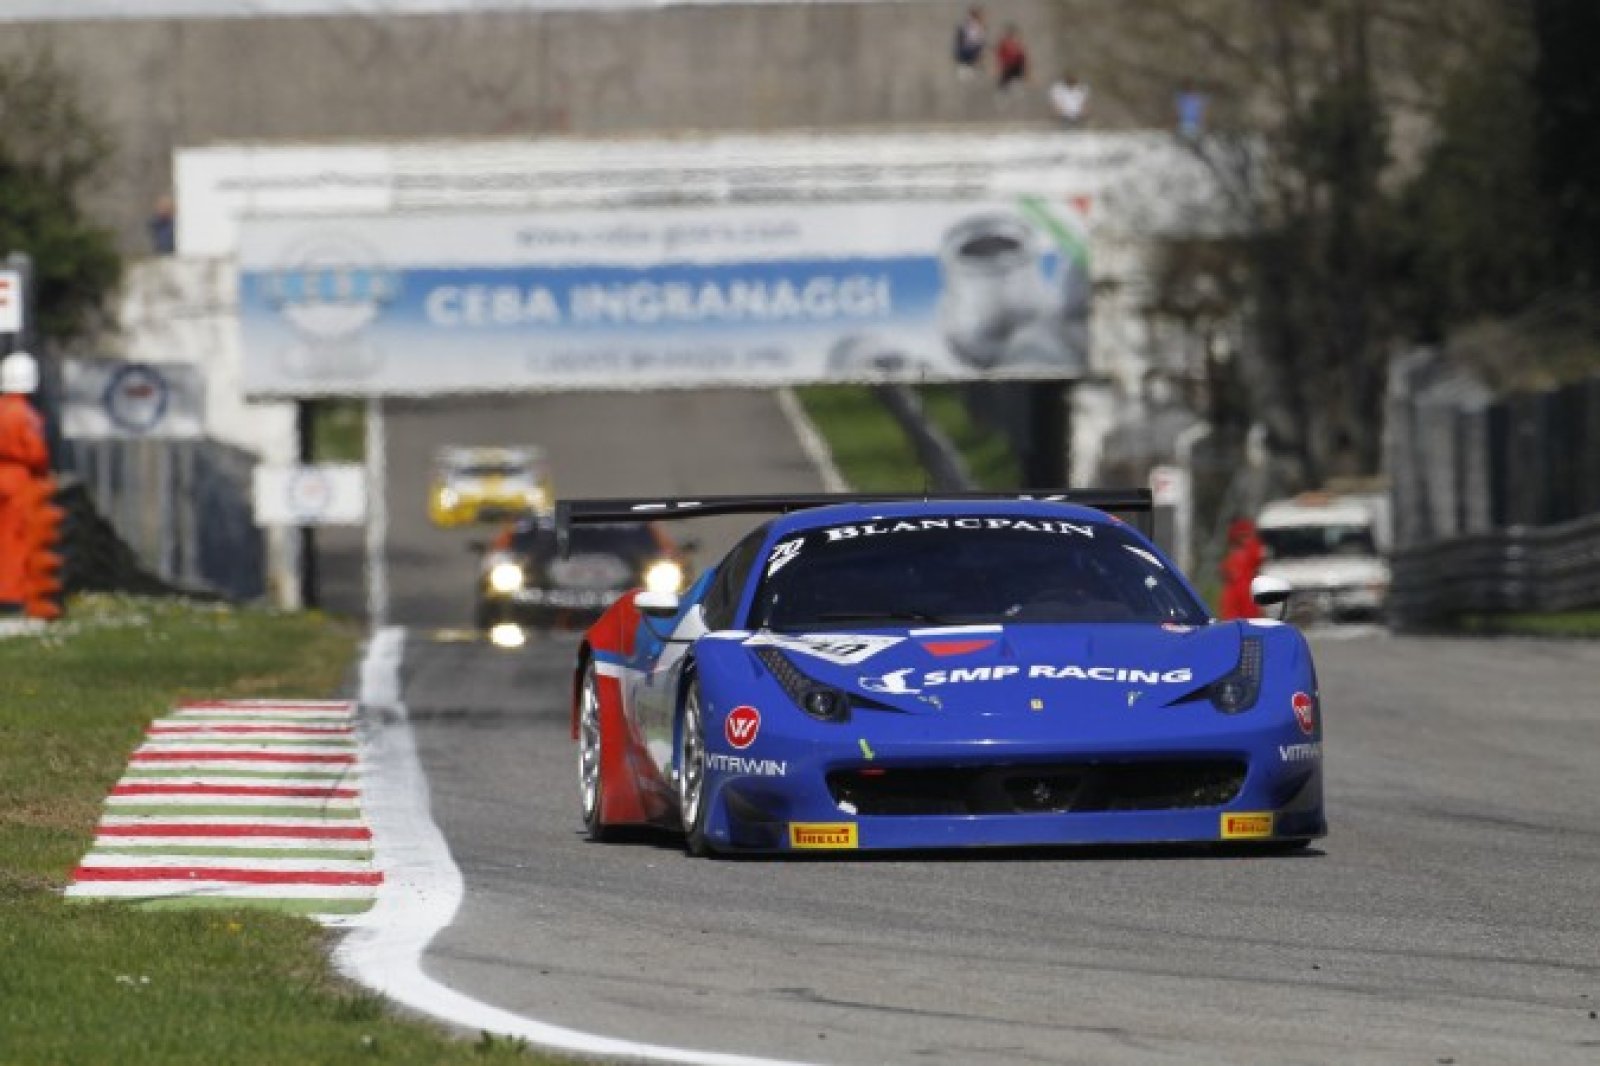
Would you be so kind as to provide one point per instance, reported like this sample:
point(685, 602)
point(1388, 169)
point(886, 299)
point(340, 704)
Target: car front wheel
point(591, 746)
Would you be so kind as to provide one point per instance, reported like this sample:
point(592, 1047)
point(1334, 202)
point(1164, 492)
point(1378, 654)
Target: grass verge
point(873, 454)
point(107, 983)
point(340, 431)
point(987, 454)
point(867, 444)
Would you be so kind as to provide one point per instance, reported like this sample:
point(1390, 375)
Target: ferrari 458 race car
point(473, 484)
point(929, 673)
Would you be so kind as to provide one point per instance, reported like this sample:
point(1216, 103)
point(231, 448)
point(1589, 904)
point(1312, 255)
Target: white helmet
point(19, 372)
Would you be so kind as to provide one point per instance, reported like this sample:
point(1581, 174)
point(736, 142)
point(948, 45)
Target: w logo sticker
point(742, 726)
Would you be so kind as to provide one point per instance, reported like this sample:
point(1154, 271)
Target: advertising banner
point(636, 298)
point(116, 400)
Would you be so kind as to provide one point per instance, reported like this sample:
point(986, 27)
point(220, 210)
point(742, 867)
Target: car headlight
point(1238, 691)
point(822, 702)
point(448, 498)
point(505, 577)
point(664, 576)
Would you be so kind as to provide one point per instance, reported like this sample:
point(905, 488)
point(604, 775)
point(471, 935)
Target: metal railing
point(182, 508)
point(1523, 568)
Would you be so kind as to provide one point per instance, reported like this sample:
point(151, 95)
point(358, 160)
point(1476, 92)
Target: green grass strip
point(189, 851)
point(242, 982)
point(868, 446)
point(243, 810)
point(267, 903)
point(987, 453)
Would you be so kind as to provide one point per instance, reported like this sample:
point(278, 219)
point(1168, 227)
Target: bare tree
point(1318, 111)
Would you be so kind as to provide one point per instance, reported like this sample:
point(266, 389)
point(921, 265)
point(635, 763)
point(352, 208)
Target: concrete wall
point(163, 84)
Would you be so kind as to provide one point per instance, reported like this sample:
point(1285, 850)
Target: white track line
point(422, 889)
point(811, 441)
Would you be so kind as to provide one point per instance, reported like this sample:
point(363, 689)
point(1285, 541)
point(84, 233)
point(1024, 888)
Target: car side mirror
point(656, 604)
point(1270, 592)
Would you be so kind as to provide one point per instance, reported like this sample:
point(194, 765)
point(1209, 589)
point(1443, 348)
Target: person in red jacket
point(1239, 569)
point(24, 458)
point(1011, 59)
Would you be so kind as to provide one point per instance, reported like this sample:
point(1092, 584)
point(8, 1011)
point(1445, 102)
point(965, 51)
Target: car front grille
point(1044, 788)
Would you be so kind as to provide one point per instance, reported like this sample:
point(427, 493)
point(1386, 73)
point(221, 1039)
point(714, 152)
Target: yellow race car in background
point(488, 484)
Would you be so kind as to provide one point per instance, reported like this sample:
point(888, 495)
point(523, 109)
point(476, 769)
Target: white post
point(377, 518)
point(1183, 519)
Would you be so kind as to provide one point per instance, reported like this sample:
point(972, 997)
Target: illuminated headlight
point(507, 635)
point(448, 498)
point(665, 576)
point(505, 577)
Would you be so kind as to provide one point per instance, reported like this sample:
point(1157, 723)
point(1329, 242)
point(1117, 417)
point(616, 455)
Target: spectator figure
point(1069, 99)
point(163, 226)
point(1239, 569)
point(1190, 105)
point(23, 458)
point(1011, 59)
point(972, 37)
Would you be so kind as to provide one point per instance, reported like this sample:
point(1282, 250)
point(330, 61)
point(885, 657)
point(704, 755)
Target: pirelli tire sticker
point(1246, 825)
point(823, 836)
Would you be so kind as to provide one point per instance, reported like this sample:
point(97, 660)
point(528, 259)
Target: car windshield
point(631, 540)
point(1305, 542)
point(491, 470)
point(931, 570)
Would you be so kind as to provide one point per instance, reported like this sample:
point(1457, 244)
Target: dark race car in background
point(525, 582)
point(942, 673)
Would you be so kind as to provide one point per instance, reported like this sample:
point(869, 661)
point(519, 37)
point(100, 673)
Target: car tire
point(692, 772)
point(591, 750)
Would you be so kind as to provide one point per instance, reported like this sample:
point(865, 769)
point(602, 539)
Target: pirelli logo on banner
point(1250, 826)
point(831, 836)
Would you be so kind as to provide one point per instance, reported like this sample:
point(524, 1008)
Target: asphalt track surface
point(1451, 917)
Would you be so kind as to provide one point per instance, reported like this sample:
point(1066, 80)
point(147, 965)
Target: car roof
point(842, 514)
point(471, 453)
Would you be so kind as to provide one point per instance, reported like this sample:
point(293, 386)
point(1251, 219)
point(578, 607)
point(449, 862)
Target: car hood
point(1329, 571)
point(985, 668)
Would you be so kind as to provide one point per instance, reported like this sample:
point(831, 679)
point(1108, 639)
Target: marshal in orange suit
point(24, 463)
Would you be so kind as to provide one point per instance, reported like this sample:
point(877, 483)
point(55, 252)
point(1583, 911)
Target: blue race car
point(873, 673)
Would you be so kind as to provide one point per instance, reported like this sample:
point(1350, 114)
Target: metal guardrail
point(1523, 568)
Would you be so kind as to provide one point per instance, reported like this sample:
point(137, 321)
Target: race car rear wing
point(1135, 502)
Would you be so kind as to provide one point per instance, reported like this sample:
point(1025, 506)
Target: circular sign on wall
point(310, 492)
point(136, 397)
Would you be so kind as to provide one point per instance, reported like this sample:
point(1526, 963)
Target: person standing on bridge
point(1069, 99)
point(972, 37)
point(1011, 58)
point(24, 458)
